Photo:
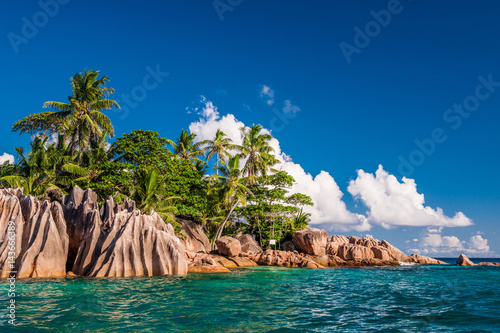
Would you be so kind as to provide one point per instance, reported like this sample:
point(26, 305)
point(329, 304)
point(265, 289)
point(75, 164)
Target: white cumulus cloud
point(6, 158)
point(392, 203)
point(329, 210)
point(433, 243)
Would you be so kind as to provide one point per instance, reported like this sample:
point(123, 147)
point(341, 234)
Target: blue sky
point(356, 112)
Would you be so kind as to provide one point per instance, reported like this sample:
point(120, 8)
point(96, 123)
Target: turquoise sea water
point(266, 299)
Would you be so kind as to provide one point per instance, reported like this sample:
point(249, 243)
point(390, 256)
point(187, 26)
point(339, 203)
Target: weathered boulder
point(381, 252)
point(81, 212)
point(133, 245)
point(228, 246)
point(123, 243)
point(338, 239)
point(354, 252)
point(34, 232)
point(488, 264)
point(326, 260)
point(311, 241)
point(207, 265)
point(284, 259)
point(355, 240)
point(369, 242)
point(248, 244)
point(243, 262)
point(333, 243)
point(196, 240)
point(464, 261)
point(395, 253)
point(419, 259)
point(288, 246)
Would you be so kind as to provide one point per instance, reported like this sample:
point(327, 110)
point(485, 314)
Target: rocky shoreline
point(74, 237)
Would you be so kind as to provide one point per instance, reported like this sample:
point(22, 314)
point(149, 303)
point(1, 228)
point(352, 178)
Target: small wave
point(404, 263)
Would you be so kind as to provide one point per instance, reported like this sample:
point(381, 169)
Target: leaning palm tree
point(257, 150)
point(231, 188)
point(219, 147)
point(84, 123)
point(186, 148)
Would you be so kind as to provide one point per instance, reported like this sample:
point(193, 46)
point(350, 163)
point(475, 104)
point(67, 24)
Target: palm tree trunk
point(260, 233)
point(221, 227)
point(217, 165)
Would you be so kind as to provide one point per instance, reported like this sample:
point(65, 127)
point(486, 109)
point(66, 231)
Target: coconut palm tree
point(231, 188)
point(35, 171)
point(186, 148)
point(257, 150)
point(219, 147)
point(84, 123)
point(147, 192)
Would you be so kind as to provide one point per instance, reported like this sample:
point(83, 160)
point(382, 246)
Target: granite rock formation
point(311, 241)
point(464, 261)
point(419, 259)
point(34, 232)
point(52, 239)
point(228, 246)
point(248, 244)
point(195, 238)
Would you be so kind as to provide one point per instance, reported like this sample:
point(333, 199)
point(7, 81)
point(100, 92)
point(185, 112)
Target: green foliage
point(159, 174)
point(43, 124)
point(84, 124)
point(271, 212)
point(112, 177)
point(186, 148)
point(148, 192)
point(219, 147)
point(230, 188)
point(142, 148)
point(183, 180)
point(258, 152)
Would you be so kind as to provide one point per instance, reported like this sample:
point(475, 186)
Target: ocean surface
point(266, 299)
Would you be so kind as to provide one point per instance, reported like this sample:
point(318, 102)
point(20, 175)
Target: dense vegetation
point(69, 146)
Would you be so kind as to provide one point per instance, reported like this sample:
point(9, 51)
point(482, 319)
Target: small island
point(142, 205)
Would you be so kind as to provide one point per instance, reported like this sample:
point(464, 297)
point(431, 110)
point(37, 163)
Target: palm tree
point(257, 150)
point(231, 188)
point(300, 221)
point(219, 147)
point(84, 123)
point(147, 192)
point(36, 170)
point(186, 148)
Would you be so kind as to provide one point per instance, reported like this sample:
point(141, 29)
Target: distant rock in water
point(419, 259)
point(464, 261)
point(53, 239)
point(311, 241)
point(40, 241)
